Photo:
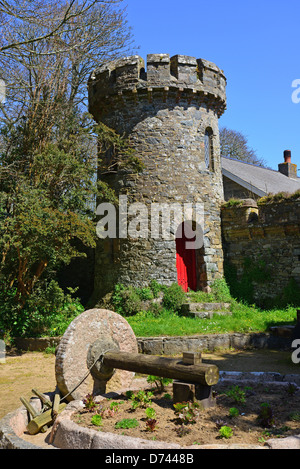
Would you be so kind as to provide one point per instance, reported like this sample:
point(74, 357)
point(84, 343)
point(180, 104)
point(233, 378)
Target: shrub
point(48, 311)
point(145, 293)
point(156, 288)
point(126, 300)
point(174, 297)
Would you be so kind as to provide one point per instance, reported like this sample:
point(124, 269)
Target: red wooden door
point(186, 264)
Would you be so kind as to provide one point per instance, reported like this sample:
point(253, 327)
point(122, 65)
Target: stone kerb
point(179, 77)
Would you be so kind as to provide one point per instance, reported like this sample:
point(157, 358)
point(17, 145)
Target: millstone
point(92, 332)
point(98, 349)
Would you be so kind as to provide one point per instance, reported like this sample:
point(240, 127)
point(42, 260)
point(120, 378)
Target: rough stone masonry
point(169, 110)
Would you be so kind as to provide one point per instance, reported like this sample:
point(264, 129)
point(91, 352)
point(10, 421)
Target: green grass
point(244, 319)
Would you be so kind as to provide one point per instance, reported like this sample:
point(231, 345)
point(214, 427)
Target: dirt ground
point(21, 372)
point(198, 426)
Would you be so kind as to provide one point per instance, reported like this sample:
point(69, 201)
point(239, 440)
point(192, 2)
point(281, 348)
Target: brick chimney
point(288, 168)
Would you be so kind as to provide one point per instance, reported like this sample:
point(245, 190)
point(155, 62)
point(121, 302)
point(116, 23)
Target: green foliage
point(89, 402)
point(47, 312)
point(141, 399)
point(187, 412)
point(237, 394)
point(156, 288)
point(233, 412)
point(174, 297)
point(115, 150)
point(233, 203)
point(151, 422)
point(279, 197)
point(96, 420)
point(150, 413)
point(253, 271)
point(225, 432)
point(126, 300)
point(290, 295)
point(127, 423)
point(159, 382)
point(220, 291)
point(130, 300)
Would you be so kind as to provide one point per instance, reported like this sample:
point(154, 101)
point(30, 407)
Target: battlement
point(182, 73)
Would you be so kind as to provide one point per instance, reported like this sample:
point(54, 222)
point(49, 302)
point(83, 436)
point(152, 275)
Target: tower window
point(208, 141)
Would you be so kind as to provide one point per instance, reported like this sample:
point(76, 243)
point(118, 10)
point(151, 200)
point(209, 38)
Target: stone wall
point(232, 190)
point(165, 112)
point(261, 246)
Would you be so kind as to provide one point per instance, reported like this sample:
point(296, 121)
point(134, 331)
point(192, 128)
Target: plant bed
point(242, 415)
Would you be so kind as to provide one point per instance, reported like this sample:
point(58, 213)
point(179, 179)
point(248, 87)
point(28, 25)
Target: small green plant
point(187, 412)
point(96, 420)
point(89, 403)
point(114, 406)
point(159, 382)
point(225, 432)
point(151, 422)
point(141, 399)
point(265, 416)
point(127, 423)
point(112, 409)
point(150, 413)
point(168, 396)
point(237, 394)
point(233, 412)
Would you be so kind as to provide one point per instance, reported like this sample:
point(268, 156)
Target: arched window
point(208, 146)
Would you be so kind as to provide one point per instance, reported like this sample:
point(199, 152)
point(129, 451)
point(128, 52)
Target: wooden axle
point(199, 373)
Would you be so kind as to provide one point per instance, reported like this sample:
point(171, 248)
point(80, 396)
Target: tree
point(39, 12)
point(48, 146)
point(234, 145)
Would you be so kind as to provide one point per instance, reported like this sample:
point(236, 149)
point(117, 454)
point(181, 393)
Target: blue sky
point(256, 43)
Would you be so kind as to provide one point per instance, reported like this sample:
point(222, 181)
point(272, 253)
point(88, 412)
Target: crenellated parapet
point(180, 78)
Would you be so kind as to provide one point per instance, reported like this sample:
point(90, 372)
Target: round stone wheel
point(72, 363)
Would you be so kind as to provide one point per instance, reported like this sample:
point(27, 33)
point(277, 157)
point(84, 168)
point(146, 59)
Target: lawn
point(244, 319)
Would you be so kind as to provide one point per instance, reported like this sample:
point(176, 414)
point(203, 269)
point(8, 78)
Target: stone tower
point(170, 112)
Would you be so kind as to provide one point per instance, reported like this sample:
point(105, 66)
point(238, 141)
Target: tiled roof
point(261, 181)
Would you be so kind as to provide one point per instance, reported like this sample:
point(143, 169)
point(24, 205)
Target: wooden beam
point(164, 367)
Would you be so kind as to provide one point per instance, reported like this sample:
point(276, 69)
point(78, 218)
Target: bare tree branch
point(24, 12)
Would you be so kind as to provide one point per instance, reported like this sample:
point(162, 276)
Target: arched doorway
point(186, 258)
